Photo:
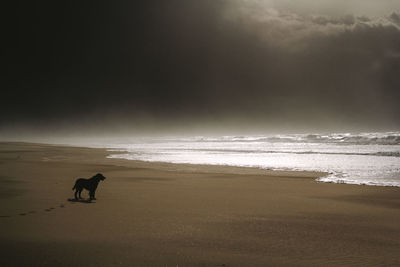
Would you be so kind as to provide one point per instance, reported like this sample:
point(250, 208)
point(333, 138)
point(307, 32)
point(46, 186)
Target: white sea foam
point(364, 158)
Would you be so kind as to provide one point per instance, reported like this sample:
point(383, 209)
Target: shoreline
point(161, 214)
point(316, 175)
point(206, 168)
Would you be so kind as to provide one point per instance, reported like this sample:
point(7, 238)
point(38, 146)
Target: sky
point(190, 65)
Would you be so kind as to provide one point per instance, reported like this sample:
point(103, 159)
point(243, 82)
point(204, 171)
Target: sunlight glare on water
point(366, 158)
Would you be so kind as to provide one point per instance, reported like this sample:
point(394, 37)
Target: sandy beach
point(158, 214)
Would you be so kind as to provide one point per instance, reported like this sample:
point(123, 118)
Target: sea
point(351, 158)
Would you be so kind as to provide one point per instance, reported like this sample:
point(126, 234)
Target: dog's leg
point(91, 193)
point(76, 194)
point(80, 192)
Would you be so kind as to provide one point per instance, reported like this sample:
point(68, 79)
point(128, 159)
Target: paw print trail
point(32, 212)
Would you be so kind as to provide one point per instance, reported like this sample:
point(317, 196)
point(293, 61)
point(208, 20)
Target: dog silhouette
point(88, 184)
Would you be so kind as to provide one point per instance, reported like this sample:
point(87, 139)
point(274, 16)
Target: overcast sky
point(179, 64)
point(336, 7)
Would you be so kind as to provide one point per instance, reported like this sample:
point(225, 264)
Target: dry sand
point(153, 214)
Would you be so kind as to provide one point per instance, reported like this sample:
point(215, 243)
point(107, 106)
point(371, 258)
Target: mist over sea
point(364, 158)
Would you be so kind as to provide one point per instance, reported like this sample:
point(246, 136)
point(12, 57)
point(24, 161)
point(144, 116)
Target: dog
point(88, 184)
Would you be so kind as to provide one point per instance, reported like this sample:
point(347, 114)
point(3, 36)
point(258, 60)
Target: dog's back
point(79, 183)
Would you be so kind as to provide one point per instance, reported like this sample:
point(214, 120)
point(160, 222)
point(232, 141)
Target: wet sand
point(157, 214)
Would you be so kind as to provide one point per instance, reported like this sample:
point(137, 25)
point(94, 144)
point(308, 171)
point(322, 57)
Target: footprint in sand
point(33, 211)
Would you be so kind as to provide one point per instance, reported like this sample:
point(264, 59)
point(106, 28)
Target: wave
point(362, 158)
point(384, 138)
point(381, 153)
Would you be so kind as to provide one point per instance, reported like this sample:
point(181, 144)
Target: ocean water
point(363, 158)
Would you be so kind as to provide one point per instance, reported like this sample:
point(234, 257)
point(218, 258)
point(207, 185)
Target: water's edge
point(326, 177)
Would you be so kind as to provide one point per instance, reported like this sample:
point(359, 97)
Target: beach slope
point(157, 214)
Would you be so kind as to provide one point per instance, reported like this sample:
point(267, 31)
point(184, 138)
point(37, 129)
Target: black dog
point(88, 184)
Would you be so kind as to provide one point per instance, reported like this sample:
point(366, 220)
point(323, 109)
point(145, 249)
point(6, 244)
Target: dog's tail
point(73, 188)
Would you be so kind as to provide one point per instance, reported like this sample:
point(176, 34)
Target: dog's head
point(100, 176)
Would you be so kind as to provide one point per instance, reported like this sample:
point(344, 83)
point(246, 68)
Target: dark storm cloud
point(395, 17)
point(200, 60)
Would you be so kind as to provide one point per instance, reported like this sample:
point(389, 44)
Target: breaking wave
point(383, 154)
point(362, 158)
point(387, 138)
